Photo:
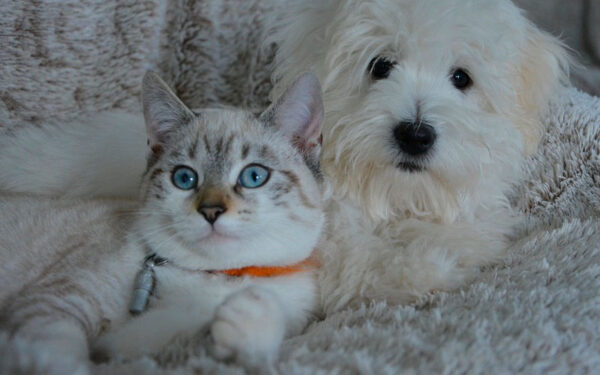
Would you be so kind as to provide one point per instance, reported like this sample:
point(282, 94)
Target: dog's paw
point(248, 327)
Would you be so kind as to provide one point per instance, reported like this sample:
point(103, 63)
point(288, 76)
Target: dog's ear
point(298, 114)
point(163, 111)
point(542, 69)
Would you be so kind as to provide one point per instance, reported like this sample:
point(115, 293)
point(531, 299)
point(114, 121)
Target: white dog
point(431, 106)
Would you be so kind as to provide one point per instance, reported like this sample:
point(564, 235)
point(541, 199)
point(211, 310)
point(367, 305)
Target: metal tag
point(145, 281)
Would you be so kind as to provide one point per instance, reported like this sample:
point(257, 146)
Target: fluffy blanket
point(538, 312)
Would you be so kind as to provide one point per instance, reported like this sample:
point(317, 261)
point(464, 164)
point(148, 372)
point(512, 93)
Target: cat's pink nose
point(211, 213)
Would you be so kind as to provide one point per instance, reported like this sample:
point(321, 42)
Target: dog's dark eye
point(380, 67)
point(461, 80)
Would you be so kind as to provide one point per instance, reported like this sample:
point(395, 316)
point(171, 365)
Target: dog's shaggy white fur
point(477, 74)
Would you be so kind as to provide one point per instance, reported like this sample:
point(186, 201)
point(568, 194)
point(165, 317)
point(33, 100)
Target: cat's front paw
point(22, 356)
point(248, 327)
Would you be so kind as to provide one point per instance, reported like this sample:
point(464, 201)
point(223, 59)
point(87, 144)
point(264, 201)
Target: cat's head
point(226, 189)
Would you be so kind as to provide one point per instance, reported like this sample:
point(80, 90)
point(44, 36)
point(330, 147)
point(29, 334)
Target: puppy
point(431, 107)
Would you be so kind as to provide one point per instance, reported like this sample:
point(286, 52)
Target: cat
point(222, 238)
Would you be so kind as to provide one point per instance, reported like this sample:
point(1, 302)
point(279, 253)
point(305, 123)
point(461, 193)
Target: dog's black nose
point(211, 213)
point(414, 138)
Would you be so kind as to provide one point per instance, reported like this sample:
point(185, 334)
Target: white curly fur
point(395, 234)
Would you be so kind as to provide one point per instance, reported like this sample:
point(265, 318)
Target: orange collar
point(145, 280)
point(307, 264)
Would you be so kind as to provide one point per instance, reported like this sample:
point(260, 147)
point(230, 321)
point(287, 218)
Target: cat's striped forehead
point(219, 139)
point(237, 135)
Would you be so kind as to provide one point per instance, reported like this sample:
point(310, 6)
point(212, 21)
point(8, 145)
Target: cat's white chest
point(182, 289)
point(185, 302)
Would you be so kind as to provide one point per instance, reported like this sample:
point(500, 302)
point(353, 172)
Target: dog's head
point(430, 105)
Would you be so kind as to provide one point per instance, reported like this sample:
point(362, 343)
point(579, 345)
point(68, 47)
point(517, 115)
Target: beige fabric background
point(577, 22)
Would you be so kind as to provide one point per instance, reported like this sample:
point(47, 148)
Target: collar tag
point(145, 282)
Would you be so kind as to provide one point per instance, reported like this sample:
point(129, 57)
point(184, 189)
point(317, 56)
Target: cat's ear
point(163, 111)
point(298, 114)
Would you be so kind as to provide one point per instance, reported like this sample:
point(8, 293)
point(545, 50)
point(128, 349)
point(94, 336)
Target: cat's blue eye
point(184, 178)
point(254, 176)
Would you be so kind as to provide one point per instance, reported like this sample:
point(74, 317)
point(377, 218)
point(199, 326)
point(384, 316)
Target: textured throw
point(63, 59)
point(539, 312)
